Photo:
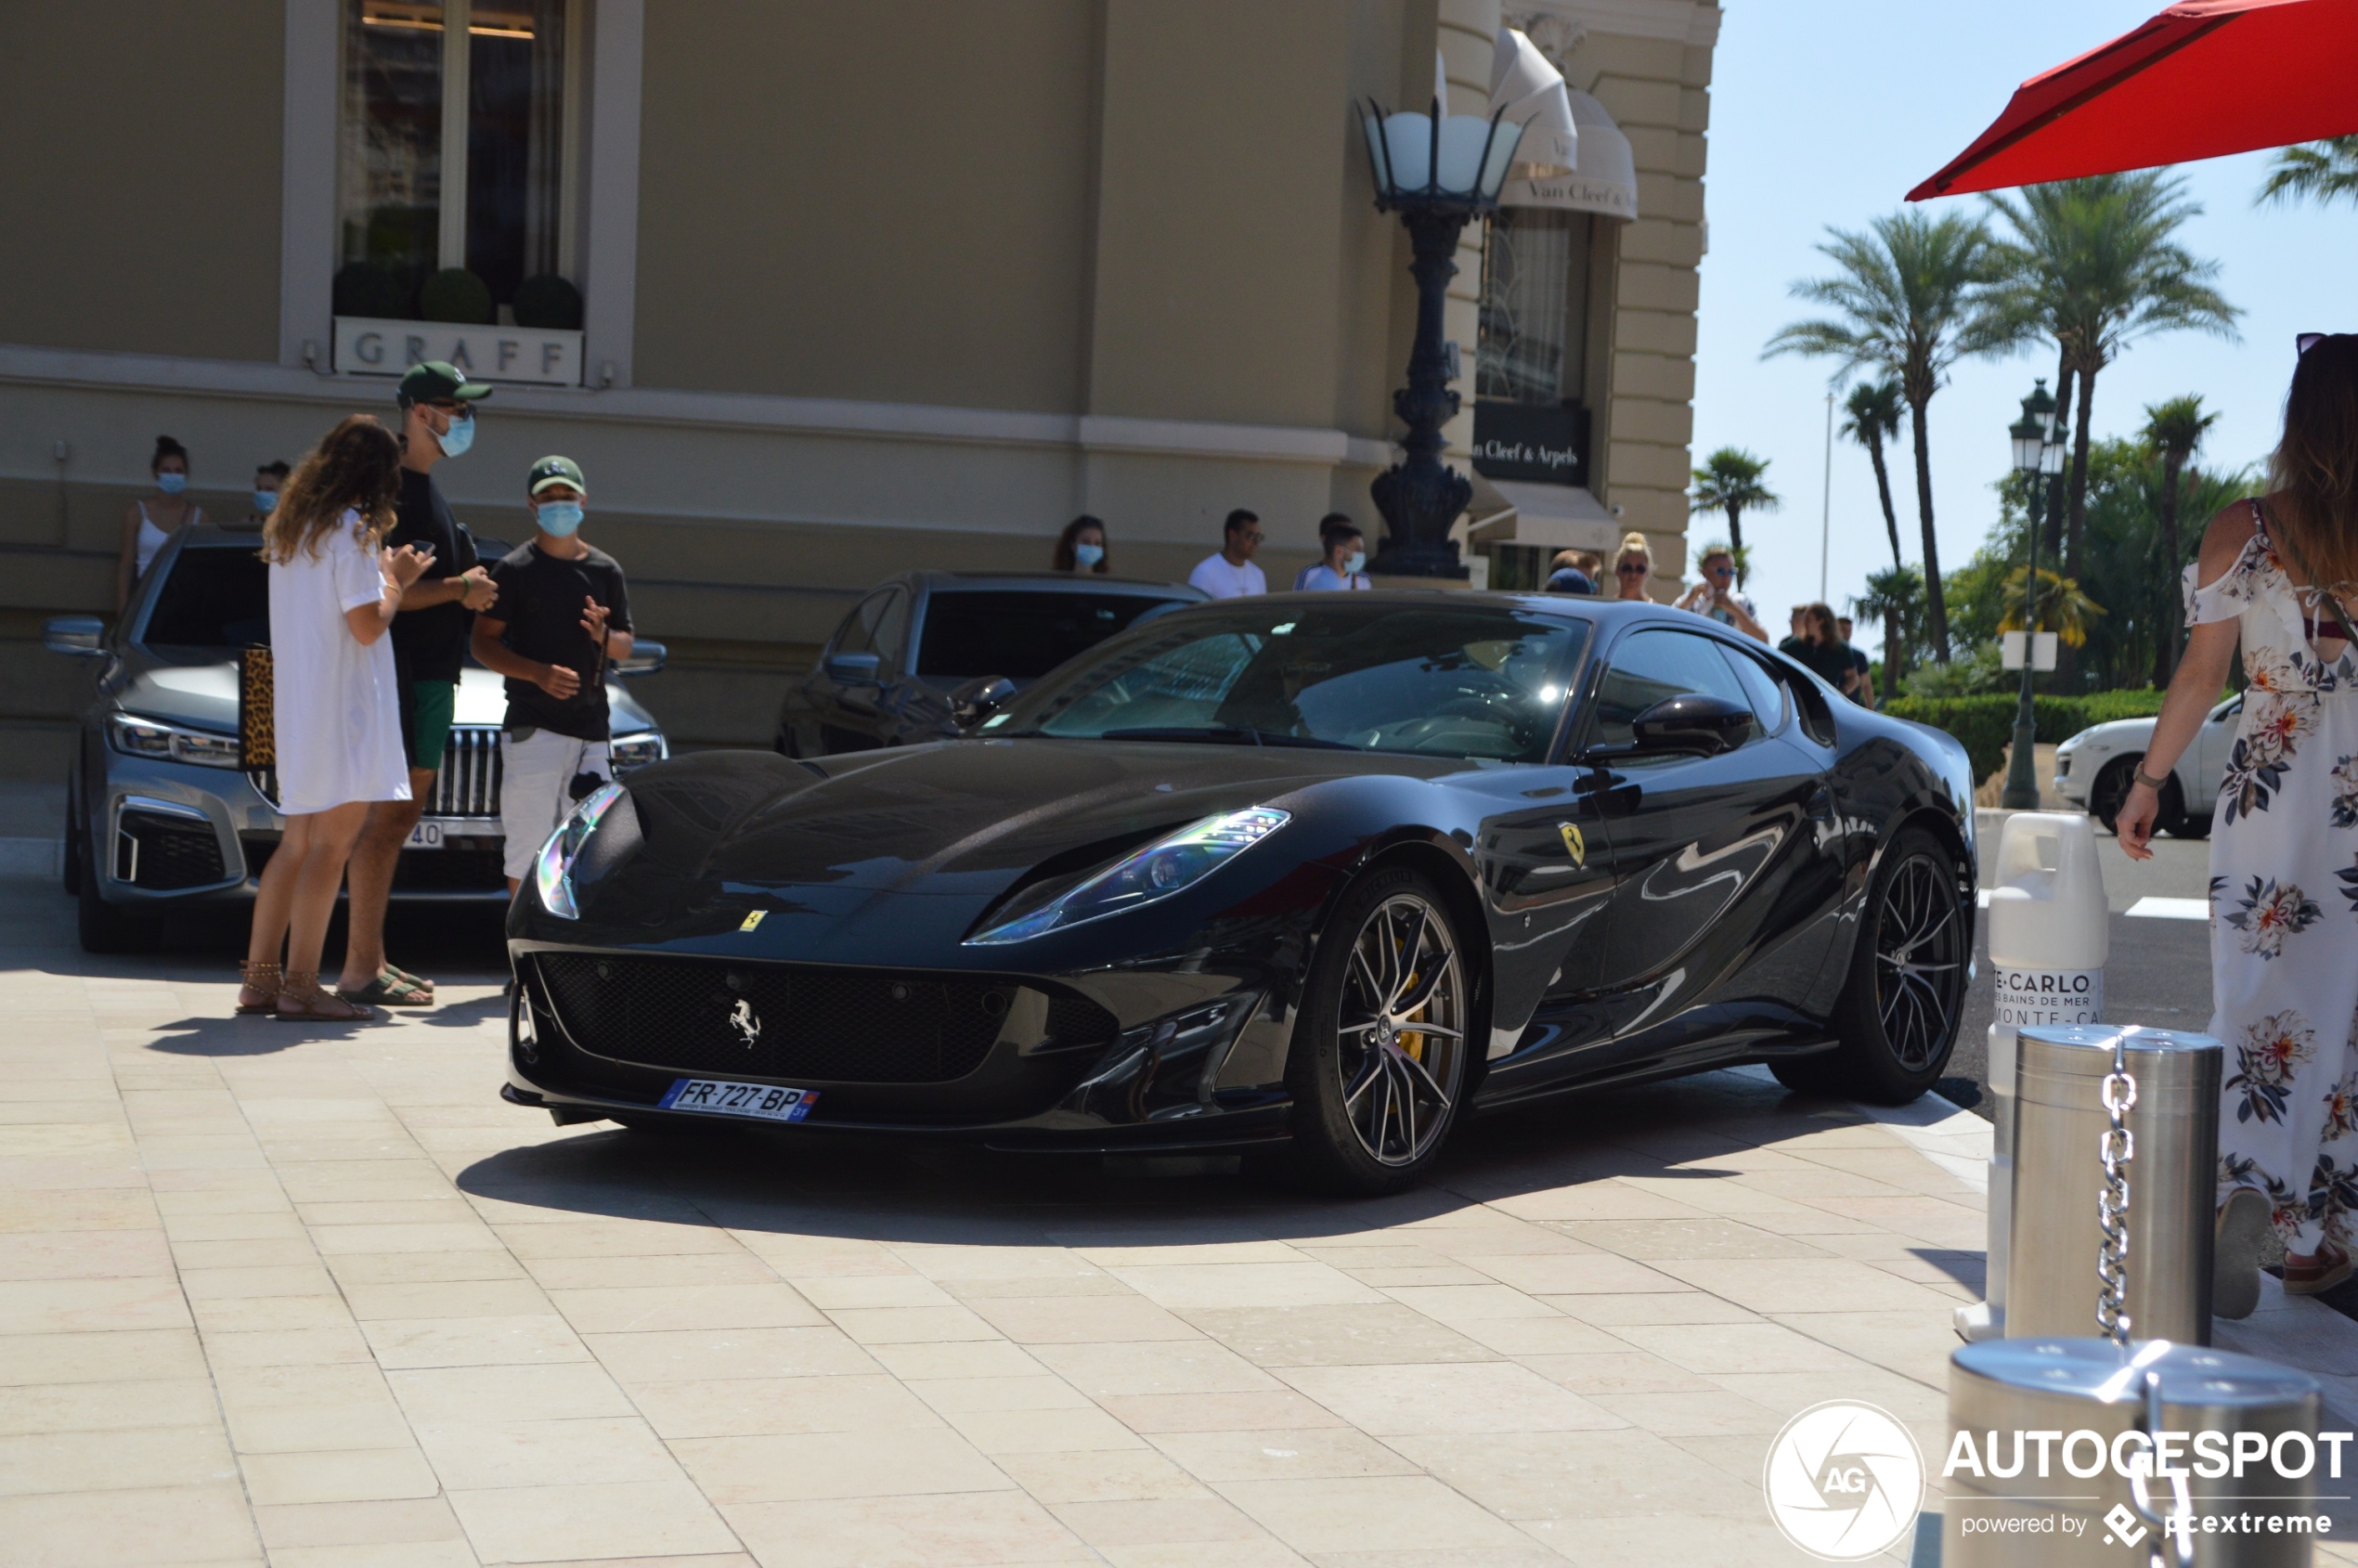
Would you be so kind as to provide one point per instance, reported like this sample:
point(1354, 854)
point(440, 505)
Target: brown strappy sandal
point(259, 979)
point(300, 998)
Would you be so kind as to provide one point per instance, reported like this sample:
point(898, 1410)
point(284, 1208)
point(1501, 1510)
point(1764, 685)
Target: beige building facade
point(843, 291)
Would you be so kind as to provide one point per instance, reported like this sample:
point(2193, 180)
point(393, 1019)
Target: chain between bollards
point(2119, 1147)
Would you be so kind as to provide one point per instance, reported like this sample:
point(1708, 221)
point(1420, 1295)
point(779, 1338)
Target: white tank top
point(152, 538)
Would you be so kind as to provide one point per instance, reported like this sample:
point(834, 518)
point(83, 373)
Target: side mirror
point(646, 658)
point(1692, 723)
point(979, 698)
point(853, 670)
point(81, 637)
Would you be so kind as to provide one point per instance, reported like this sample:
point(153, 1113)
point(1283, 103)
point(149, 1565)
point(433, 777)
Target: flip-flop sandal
point(388, 990)
point(417, 981)
point(301, 1001)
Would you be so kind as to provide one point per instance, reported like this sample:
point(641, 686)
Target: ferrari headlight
point(1162, 868)
point(552, 873)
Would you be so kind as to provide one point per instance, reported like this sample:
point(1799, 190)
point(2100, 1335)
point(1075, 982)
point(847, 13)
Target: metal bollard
point(2050, 933)
point(2059, 1121)
point(2038, 1411)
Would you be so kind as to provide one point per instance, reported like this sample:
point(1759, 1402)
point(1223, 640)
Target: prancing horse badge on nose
point(1575, 846)
point(743, 1021)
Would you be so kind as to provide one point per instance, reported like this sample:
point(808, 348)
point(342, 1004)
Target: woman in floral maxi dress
point(2284, 846)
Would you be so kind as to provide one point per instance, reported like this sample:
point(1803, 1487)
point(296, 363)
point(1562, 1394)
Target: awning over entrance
point(1550, 516)
point(1560, 127)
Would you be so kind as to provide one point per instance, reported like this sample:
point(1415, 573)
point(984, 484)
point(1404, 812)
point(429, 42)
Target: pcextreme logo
point(1845, 1480)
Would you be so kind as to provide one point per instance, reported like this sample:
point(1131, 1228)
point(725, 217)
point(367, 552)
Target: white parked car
point(2093, 769)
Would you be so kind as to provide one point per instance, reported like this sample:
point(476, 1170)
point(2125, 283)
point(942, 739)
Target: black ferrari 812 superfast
point(1325, 871)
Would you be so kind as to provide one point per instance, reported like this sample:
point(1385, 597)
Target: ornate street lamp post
point(2038, 449)
point(1438, 172)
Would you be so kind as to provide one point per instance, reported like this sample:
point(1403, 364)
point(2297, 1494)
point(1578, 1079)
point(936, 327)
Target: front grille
point(152, 849)
point(808, 1024)
point(468, 785)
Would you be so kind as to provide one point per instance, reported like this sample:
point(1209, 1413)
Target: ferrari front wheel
point(1378, 1068)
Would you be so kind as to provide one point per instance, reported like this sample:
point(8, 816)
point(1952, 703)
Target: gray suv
point(160, 814)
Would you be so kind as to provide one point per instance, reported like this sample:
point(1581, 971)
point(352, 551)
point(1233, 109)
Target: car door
point(1724, 866)
point(1546, 870)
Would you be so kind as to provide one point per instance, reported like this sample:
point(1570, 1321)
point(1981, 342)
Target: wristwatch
point(2141, 776)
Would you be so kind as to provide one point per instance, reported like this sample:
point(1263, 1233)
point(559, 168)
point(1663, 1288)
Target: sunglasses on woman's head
point(2307, 341)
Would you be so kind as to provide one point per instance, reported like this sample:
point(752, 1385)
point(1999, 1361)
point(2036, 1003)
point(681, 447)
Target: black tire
point(1374, 1101)
point(104, 928)
point(2174, 819)
point(2110, 790)
point(1898, 1014)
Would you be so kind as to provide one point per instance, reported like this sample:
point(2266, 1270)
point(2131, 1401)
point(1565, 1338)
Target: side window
point(1657, 663)
point(892, 631)
point(1771, 703)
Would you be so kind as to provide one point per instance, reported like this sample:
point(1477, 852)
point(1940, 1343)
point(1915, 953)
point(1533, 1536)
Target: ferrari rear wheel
point(1900, 1013)
point(1378, 1062)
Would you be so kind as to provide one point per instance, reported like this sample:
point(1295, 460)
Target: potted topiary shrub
point(548, 303)
point(454, 294)
point(365, 289)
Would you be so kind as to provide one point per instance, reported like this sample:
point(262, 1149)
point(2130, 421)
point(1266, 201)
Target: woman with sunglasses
point(1632, 565)
point(1717, 596)
point(2277, 574)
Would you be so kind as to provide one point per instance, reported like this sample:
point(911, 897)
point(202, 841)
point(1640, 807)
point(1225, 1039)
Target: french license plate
point(766, 1100)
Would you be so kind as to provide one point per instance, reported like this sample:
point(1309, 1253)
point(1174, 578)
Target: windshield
point(1021, 635)
point(1472, 680)
point(217, 597)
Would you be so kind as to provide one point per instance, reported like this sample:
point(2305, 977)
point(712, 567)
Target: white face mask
point(1355, 564)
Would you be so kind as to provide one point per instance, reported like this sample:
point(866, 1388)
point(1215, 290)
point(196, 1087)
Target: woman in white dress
point(334, 707)
point(2284, 843)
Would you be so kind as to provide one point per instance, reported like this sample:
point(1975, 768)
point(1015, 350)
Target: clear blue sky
point(1826, 112)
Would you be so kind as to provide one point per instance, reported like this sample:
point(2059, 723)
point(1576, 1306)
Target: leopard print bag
point(257, 731)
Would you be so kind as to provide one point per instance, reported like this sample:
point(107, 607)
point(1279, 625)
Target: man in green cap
point(563, 612)
point(429, 648)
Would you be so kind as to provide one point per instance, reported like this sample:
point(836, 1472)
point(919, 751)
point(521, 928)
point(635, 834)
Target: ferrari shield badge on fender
point(753, 920)
point(1575, 846)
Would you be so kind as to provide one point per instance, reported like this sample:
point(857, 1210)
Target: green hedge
point(1985, 723)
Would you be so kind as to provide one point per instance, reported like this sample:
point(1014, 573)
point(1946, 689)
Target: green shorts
point(427, 732)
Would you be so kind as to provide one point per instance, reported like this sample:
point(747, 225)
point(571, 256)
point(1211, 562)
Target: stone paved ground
point(318, 1298)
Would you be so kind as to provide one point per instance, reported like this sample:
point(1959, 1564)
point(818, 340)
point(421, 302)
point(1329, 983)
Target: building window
point(457, 126)
point(1531, 362)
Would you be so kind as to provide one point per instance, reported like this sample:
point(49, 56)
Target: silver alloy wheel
point(1402, 1025)
point(1920, 960)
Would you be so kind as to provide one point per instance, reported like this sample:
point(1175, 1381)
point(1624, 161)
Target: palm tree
point(1898, 596)
point(1730, 481)
point(1907, 302)
point(2092, 265)
point(1873, 409)
point(2174, 428)
point(2063, 608)
point(2319, 170)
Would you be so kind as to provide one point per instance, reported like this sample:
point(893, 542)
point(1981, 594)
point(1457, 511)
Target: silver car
point(2093, 769)
point(161, 815)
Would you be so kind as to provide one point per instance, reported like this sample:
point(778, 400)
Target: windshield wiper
point(1223, 736)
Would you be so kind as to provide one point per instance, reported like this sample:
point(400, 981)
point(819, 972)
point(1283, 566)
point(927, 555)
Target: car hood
point(958, 817)
point(204, 696)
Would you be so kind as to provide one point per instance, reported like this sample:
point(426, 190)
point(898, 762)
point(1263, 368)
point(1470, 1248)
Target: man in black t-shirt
point(563, 611)
point(429, 646)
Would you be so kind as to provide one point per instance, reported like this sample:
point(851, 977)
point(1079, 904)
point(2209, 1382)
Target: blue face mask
point(1086, 556)
point(459, 437)
point(266, 501)
point(560, 518)
point(1354, 562)
point(171, 483)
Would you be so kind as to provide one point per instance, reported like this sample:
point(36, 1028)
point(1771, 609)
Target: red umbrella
point(2203, 79)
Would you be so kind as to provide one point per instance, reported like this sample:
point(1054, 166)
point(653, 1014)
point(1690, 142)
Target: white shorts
point(536, 779)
